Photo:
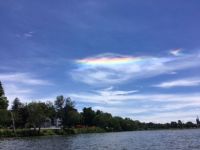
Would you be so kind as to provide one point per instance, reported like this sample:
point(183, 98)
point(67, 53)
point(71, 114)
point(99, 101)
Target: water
point(139, 140)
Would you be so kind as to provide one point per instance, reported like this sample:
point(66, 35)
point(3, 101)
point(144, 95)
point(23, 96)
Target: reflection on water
point(140, 140)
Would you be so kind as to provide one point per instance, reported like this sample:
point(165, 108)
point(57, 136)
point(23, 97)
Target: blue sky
point(43, 42)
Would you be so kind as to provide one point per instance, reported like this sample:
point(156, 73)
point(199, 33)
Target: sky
point(132, 58)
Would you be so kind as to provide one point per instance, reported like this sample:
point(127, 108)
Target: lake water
point(138, 140)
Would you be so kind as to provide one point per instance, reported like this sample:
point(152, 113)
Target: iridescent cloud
point(115, 68)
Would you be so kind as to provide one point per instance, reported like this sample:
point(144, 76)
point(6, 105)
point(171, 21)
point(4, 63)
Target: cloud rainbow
point(106, 61)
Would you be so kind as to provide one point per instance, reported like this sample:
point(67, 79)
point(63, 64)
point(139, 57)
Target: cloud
point(28, 34)
point(179, 83)
point(111, 92)
point(13, 90)
point(22, 85)
point(104, 96)
point(25, 35)
point(109, 69)
point(167, 117)
point(25, 78)
point(149, 114)
point(147, 107)
point(176, 52)
point(116, 97)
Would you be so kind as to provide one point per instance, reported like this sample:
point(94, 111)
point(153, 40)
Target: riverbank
point(151, 140)
point(7, 133)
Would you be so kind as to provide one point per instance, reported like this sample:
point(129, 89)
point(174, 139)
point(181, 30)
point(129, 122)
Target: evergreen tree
point(1, 90)
point(3, 99)
point(16, 104)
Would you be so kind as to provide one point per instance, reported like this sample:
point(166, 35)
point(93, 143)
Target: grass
point(4, 133)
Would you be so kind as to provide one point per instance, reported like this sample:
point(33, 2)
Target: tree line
point(35, 114)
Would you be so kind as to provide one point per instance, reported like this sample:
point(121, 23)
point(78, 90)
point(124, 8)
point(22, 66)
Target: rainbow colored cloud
point(115, 68)
point(113, 60)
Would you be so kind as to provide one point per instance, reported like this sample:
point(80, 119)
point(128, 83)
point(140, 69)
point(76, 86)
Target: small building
point(57, 122)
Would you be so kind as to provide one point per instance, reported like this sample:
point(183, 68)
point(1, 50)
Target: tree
point(20, 113)
point(50, 111)
point(71, 116)
point(88, 116)
point(5, 118)
point(59, 105)
point(59, 102)
point(189, 124)
point(103, 120)
point(4, 114)
point(37, 115)
point(3, 99)
point(2, 93)
point(16, 104)
point(174, 124)
point(180, 124)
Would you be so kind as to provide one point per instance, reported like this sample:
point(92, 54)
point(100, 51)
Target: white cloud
point(25, 35)
point(176, 52)
point(142, 106)
point(167, 117)
point(173, 72)
point(15, 90)
point(109, 69)
point(179, 83)
point(21, 85)
point(111, 92)
point(24, 78)
point(118, 97)
point(149, 114)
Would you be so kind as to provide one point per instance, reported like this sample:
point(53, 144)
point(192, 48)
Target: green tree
point(36, 115)
point(50, 111)
point(189, 124)
point(20, 113)
point(3, 99)
point(88, 116)
point(5, 118)
point(180, 124)
point(59, 106)
point(59, 102)
point(71, 116)
point(174, 124)
point(2, 93)
point(103, 120)
point(16, 104)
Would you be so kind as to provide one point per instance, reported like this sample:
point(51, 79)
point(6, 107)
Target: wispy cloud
point(108, 69)
point(13, 90)
point(155, 114)
point(176, 52)
point(112, 97)
point(25, 35)
point(142, 106)
point(25, 78)
point(166, 117)
point(22, 85)
point(111, 92)
point(179, 83)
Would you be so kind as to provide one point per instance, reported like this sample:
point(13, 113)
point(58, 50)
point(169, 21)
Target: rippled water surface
point(139, 140)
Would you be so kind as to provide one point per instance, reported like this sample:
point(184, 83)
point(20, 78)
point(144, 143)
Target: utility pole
point(13, 122)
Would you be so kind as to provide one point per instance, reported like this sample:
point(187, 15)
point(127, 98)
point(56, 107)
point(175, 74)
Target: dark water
point(140, 140)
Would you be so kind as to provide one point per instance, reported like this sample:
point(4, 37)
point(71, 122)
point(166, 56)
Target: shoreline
point(26, 133)
point(8, 133)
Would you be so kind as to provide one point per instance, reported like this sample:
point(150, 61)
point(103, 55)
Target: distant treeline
point(35, 114)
